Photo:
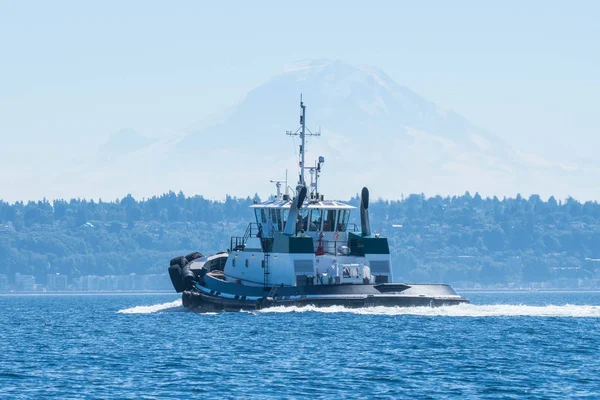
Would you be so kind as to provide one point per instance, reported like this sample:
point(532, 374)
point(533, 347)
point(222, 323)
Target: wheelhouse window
point(329, 220)
point(302, 220)
point(343, 217)
point(315, 220)
point(286, 213)
point(275, 216)
point(279, 221)
point(261, 218)
point(258, 217)
point(263, 215)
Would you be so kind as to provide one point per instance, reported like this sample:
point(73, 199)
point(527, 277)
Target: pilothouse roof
point(310, 204)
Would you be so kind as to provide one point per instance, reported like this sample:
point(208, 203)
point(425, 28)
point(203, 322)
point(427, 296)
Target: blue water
point(505, 345)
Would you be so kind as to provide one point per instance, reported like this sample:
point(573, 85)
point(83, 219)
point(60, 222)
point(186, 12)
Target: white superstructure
point(307, 239)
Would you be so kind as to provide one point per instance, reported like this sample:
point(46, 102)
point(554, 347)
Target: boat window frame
point(330, 220)
point(342, 220)
point(317, 226)
point(285, 213)
point(275, 219)
point(302, 224)
point(257, 214)
point(263, 215)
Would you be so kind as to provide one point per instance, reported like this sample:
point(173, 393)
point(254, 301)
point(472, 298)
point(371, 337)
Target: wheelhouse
point(326, 222)
point(315, 216)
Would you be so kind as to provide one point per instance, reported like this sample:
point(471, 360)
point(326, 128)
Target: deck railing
point(238, 242)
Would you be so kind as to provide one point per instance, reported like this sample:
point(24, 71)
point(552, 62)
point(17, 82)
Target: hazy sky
point(73, 73)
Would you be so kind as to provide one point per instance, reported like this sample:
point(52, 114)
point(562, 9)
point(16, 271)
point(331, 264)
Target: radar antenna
point(278, 185)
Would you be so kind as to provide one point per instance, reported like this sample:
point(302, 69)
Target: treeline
point(86, 237)
point(451, 239)
point(169, 207)
point(472, 239)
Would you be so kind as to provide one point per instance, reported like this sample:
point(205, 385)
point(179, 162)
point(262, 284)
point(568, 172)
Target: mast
point(303, 145)
point(302, 132)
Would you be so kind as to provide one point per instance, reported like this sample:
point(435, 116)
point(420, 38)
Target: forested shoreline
point(466, 240)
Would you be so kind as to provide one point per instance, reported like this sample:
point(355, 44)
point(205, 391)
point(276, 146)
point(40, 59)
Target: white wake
point(172, 306)
point(462, 310)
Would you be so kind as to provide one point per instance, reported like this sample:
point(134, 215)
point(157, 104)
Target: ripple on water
point(501, 346)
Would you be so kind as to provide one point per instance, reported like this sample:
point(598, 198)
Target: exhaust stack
point(365, 224)
point(290, 225)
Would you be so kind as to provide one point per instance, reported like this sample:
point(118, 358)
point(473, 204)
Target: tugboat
point(301, 250)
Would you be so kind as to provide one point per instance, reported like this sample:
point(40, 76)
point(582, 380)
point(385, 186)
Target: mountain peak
point(123, 142)
point(375, 132)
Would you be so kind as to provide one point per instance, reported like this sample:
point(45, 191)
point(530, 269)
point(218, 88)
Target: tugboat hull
point(213, 294)
point(201, 302)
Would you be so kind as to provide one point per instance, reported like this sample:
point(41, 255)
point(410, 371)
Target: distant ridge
point(123, 142)
point(375, 133)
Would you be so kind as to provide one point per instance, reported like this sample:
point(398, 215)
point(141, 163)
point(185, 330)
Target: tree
point(494, 238)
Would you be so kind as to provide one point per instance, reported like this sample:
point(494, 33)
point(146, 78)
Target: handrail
point(248, 232)
point(354, 227)
point(238, 242)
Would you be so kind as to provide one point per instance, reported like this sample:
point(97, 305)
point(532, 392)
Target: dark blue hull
point(213, 294)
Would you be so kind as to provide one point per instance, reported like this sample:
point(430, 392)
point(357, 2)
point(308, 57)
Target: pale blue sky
point(73, 73)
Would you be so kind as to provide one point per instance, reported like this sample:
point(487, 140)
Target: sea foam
point(171, 306)
point(462, 310)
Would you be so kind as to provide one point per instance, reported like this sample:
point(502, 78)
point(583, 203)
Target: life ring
point(336, 236)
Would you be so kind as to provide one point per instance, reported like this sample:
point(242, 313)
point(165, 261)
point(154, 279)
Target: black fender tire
point(186, 299)
point(193, 256)
point(181, 261)
point(176, 279)
point(175, 269)
point(188, 278)
point(191, 299)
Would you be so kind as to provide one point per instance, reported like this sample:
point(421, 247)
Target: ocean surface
point(503, 345)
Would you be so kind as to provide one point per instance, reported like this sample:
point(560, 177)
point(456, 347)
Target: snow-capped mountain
point(374, 133)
